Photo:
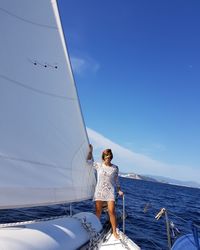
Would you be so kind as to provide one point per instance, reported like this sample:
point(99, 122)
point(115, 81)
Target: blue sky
point(136, 65)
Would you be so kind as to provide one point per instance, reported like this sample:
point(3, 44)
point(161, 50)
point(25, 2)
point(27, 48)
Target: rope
point(174, 231)
point(124, 240)
point(93, 235)
point(162, 211)
point(182, 219)
point(196, 237)
point(154, 244)
point(23, 223)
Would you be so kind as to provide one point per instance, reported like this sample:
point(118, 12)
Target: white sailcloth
point(43, 141)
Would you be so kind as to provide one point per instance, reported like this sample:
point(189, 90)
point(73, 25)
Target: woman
point(107, 180)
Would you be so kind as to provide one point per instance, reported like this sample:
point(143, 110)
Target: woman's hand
point(120, 193)
point(90, 148)
point(89, 157)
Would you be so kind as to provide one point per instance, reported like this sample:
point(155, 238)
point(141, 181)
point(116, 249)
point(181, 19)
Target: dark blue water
point(141, 226)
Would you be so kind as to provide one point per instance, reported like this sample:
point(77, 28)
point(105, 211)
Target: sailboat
point(44, 142)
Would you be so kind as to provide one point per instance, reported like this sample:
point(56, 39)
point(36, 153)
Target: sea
point(143, 200)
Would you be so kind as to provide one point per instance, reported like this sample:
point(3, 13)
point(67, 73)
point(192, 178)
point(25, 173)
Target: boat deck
point(124, 242)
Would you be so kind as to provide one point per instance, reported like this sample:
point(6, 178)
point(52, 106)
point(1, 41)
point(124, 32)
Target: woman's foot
point(116, 235)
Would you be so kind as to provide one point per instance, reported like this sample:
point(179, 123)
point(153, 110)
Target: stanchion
point(124, 216)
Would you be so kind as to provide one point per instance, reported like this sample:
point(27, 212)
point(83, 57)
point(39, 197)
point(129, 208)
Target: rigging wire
point(27, 21)
point(36, 90)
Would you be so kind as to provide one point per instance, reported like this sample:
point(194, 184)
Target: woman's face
point(107, 158)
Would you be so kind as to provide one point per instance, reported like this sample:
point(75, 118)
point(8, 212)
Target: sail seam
point(36, 90)
point(32, 162)
point(28, 21)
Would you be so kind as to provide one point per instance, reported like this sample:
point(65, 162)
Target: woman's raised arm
point(90, 156)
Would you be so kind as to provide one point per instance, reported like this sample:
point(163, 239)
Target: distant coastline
point(160, 179)
point(137, 177)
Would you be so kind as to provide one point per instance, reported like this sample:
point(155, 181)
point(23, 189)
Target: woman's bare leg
point(113, 221)
point(98, 206)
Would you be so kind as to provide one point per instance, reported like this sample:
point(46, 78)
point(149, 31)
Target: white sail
point(43, 141)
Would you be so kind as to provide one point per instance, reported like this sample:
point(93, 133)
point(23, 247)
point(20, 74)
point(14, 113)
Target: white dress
point(107, 181)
